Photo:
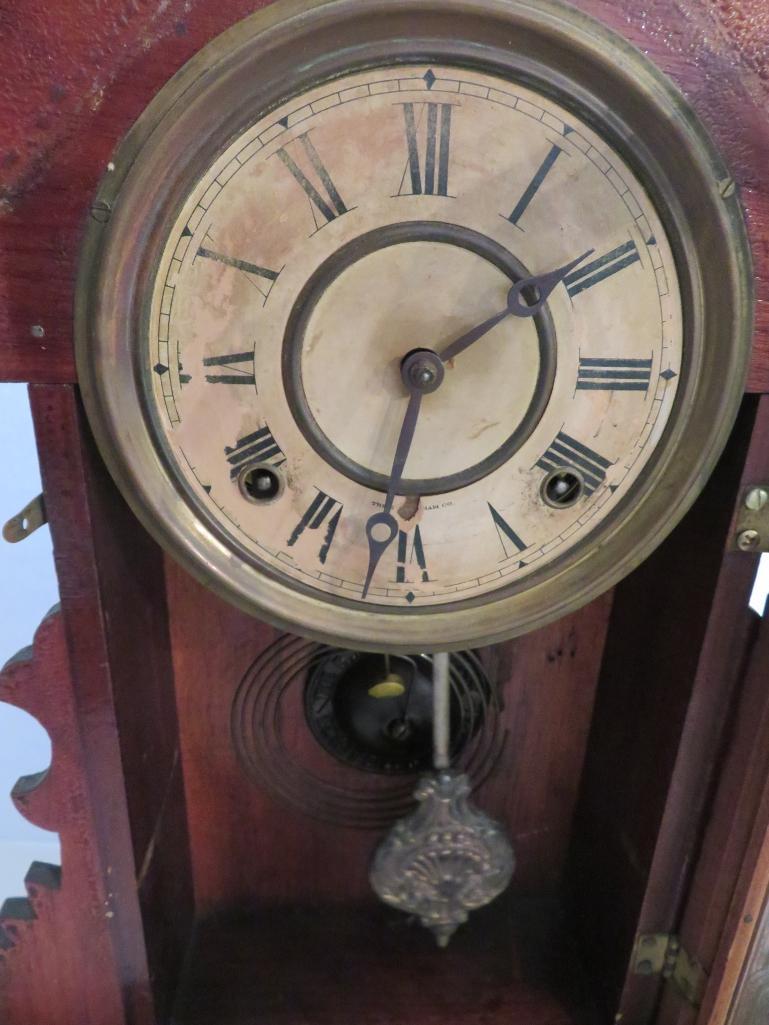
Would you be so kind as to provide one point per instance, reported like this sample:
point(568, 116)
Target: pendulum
point(446, 858)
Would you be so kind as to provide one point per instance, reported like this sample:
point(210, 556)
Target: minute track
point(301, 559)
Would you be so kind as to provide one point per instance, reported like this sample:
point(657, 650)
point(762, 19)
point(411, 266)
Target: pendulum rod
point(441, 711)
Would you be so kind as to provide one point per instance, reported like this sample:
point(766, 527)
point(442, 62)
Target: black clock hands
point(421, 373)
point(541, 285)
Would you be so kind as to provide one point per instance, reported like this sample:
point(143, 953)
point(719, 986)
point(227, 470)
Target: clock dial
point(417, 327)
point(368, 218)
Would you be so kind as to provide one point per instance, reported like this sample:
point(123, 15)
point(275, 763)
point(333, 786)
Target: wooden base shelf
point(512, 964)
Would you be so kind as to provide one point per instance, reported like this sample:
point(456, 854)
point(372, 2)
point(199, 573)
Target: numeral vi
point(411, 552)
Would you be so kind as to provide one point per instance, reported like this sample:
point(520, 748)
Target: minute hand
point(541, 284)
point(421, 373)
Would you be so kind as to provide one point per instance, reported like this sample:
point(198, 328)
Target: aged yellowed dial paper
point(389, 211)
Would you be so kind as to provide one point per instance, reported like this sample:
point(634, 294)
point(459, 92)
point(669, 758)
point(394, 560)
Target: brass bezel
point(280, 51)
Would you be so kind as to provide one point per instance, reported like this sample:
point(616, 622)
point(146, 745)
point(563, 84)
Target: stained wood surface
point(725, 918)
point(736, 772)
point(248, 846)
point(511, 965)
point(131, 599)
point(57, 960)
point(677, 638)
point(128, 871)
point(77, 75)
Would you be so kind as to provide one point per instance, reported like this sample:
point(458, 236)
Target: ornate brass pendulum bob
point(446, 858)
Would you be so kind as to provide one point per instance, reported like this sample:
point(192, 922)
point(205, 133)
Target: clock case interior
point(632, 767)
point(631, 781)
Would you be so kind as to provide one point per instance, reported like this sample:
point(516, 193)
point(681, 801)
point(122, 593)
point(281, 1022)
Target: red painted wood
point(77, 76)
point(56, 947)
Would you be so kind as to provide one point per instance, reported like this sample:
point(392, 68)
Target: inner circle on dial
point(407, 286)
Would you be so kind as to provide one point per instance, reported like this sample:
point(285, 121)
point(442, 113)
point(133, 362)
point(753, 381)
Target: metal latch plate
point(26, 522)
point(752, 533)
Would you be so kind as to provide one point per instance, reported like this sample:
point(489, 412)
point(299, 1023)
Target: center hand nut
point(422, 371)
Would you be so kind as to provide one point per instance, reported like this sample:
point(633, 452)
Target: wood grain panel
point(676, 642)
point(113, 604)
point(364, 966)
point(246, 846)
point(723, 910)
point(739, 761)
point(77, 76)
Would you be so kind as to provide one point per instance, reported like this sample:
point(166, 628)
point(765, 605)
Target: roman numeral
point(324, 199)
point(590, 274)
point(505, 533)
point(257, 274)
point(603, 374)
point(435, 179)
point(237, 368)
point(410, 553)
point(534, 185)
point(259, 447)
point(566, 452)
point(322, 510)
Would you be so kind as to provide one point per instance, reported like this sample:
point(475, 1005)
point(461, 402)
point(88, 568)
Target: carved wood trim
point(55, 945)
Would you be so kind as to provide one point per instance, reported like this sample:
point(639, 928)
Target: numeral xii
point(430, 178)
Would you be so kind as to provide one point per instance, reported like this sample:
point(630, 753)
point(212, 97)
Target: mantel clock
point(414, 325)
point(412, 441)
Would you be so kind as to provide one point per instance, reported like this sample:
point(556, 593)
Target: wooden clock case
point(633, 779)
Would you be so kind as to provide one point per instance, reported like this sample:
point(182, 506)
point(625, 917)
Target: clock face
point(402, 327)
point(380, 213)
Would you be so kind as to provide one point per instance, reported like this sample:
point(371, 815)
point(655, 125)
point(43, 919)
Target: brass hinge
point(662, 954)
